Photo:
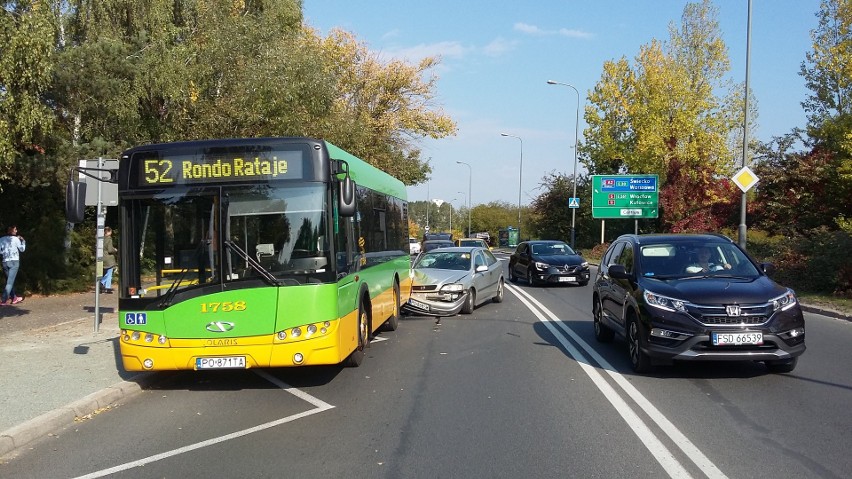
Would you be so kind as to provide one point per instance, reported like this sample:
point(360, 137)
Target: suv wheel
point(640, 361)
point(602, 333)
point(783, 366)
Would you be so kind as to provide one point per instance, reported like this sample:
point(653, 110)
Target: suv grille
point(752, 314)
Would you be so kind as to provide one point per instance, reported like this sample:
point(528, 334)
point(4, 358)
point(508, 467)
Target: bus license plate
point(221, 362)
point(737, 339)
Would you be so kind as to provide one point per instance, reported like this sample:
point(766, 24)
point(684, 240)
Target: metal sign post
point(99, 251)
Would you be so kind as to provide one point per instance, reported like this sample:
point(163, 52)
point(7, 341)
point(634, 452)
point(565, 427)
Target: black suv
point(694, 297)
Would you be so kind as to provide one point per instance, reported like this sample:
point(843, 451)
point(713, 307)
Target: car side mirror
point(481, 268)
point(767, 268)
point(617, 271)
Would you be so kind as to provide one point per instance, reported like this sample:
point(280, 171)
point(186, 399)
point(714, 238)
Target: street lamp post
point(451, 214)
point(576, 134)
point(520, 180)
point(469, 183)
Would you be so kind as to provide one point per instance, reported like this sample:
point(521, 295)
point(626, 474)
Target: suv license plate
point(737, 339)
point(221, 362)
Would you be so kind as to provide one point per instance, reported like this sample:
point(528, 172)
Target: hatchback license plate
point(418, 304)
point(567, 279)
point(221, 362)
point(737, 339)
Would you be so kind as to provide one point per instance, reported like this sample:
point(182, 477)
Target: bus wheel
point(357, 356)
point(393, 322)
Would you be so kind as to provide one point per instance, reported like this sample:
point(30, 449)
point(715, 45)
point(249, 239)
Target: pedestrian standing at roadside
point(11, 247)
point(109, 261)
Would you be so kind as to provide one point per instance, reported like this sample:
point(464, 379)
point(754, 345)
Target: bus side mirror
point(75, 201)
point(346, 199)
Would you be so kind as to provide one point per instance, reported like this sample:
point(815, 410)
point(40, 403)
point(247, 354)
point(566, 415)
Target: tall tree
point(827, 70)
point(664, 116)
point(383, 107)
point(26, 65)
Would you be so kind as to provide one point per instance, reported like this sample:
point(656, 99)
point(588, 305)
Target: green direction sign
point(625, 196)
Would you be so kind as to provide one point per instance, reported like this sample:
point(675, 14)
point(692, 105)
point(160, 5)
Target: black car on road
point(548, 261)
point(694, 297)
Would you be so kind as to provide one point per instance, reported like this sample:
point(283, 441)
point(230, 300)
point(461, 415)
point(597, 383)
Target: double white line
point(664, 456)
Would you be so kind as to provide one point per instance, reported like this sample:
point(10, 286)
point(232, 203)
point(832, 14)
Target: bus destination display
point(156, 170)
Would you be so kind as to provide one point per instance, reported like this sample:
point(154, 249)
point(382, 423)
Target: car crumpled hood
point(717, 290)
point(560, 259)
point(439, 277)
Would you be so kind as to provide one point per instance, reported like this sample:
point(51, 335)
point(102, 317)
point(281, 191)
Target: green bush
point(816, 263)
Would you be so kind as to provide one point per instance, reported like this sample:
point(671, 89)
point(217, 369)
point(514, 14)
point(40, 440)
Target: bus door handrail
point(253, 263)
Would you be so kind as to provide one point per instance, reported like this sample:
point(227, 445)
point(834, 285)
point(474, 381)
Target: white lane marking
point(685, 445)
point(319, 406)
point(671, 465)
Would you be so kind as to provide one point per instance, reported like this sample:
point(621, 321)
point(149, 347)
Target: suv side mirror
point(617, 271)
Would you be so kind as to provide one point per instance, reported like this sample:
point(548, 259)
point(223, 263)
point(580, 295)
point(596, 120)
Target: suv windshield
point(681, 260)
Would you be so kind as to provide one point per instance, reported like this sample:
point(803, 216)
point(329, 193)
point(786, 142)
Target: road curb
point(826, 312)
point(17, 437)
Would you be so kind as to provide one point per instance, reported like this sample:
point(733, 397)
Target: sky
point(497, 56)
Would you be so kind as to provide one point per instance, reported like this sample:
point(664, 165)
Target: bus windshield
point(274, 234)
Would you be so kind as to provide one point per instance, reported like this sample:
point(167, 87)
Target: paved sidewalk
point(55, 369)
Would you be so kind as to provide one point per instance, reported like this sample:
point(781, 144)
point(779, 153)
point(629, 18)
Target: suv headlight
point(452, 288)
point(785, 301)
point(664, 302)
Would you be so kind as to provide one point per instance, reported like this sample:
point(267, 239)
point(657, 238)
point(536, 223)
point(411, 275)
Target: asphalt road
point(518, 389)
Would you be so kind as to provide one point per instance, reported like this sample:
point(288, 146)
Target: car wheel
point(602, 333)
point(393, 322)
point(531, 276)
point(470, 303)
point(783, 366)
point(499, 297)
point(357, 356)
point(640, 361)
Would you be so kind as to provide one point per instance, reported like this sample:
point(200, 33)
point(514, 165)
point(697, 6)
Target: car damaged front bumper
point(434, 304)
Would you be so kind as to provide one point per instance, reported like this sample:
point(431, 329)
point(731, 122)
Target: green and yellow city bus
point(260, 252)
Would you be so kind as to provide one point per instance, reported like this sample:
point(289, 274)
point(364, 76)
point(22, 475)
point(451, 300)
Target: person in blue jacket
point(11, 247)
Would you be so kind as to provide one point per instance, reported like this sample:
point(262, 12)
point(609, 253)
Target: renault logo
point(220, 326)
point(733, 310)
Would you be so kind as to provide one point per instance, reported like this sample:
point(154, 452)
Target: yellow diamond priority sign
point(745, 179)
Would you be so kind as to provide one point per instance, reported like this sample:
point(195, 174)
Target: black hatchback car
point(694, 298)
point(548, 261)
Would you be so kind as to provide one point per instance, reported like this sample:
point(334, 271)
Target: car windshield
point(430, 245)
point(682, 260)
point(551, 249)
point(455, 260)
